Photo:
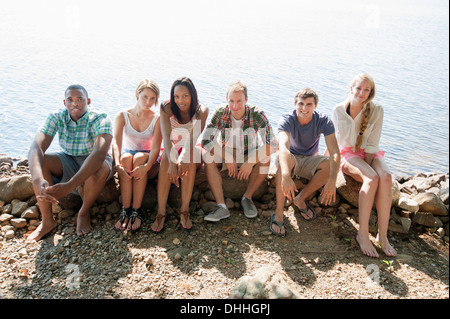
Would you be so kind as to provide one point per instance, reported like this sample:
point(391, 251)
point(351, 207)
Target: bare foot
point(83, 224)
point(387, 248)
point(41, 231)
point(366, 246)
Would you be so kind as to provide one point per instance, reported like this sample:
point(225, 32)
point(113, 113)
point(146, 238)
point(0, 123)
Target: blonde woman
point(136, 147)
point(358, 123)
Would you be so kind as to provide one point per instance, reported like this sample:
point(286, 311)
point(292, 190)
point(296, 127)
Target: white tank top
point(138, 141)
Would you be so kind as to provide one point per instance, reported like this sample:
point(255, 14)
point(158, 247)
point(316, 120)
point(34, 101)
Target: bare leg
point(319, 179)
point(187, 185)
point(383, 204)
point(92, 188)
point(52, 167)
point(280, 197)
point(163, 192)
point(256, 178)
point(126, 186)
point(215, 181)
point(358, 169)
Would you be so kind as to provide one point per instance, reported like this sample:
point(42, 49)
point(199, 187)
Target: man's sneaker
point(250, 210)
point(217, 214)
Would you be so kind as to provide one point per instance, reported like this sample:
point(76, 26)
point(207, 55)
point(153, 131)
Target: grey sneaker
point(217, 214)
point(250, 210)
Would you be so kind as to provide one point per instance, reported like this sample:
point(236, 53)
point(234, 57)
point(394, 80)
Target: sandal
point(305, 211)
point(186, 216)
point(124, 213)
point(135, 213)
point(159, 218)
point(279, 224)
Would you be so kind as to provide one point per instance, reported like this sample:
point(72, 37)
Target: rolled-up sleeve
point(374, 136)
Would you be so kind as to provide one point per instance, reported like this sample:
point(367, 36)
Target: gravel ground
point(320, 261)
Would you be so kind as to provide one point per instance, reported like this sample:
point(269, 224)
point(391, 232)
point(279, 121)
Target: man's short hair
point(306, 93)
point(237, 86)
point(76, 87)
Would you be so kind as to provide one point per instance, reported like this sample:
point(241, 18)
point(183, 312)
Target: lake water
point(275, 47)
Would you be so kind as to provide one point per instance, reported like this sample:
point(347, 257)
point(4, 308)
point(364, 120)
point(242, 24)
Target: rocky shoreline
point(236, 258)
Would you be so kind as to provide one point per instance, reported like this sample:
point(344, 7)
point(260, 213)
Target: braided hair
point(368, 105)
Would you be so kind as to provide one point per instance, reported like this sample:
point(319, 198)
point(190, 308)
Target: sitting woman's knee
point(372, 180)
point(139, 158)
point(385, 177)
point(126, 158)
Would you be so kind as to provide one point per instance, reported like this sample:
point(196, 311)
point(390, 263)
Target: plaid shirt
point(256, 129)
point(77, 138)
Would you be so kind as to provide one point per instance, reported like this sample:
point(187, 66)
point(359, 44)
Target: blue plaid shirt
point(77, 138)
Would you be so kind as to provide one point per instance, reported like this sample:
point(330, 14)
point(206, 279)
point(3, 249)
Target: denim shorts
point(134, 152)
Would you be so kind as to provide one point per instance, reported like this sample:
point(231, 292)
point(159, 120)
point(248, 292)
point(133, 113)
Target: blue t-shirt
point(304, 139)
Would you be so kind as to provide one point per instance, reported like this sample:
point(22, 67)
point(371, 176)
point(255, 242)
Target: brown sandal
point(186, 217)
point(159, 218)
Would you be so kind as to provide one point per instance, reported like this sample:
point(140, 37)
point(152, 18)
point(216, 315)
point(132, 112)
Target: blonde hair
point(367, 104)
point(237, 86)
point(148, 84)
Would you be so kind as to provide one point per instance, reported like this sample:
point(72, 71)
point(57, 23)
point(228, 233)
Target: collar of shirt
point(68, 119)
point(227, 116)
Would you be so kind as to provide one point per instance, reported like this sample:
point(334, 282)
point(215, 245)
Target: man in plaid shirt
point(85, 137)
point(239, 139)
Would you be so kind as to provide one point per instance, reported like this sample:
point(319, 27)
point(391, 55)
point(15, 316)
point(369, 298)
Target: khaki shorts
point(306, 166)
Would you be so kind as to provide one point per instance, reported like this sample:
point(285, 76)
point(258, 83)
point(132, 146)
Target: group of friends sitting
point(172, 144)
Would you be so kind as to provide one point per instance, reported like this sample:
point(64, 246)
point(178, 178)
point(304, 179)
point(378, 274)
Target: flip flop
point(305, 211)
point(279, 224)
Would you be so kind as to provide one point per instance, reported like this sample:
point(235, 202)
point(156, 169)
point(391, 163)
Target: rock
point(110, 192)
point(6, 159)
point(429, 202)
point(18, 207)
point(31, 213)
point(266, 283)
point(17, 187)
point(181, 252)
point(440, 232)
point(9, 234)
point(229, 203)
point(113, 208)
point(4, 218)
point(148, 261)
point(7, 209)
point(443, 195)
point(18, 222)
point(234, 188)
point(402, 226)
point(408, 204)
point(66, 213)
point(424, 218)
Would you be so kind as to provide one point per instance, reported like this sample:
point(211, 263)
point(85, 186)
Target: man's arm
point(328, 194)
point(254, 157)
point(36, 162)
